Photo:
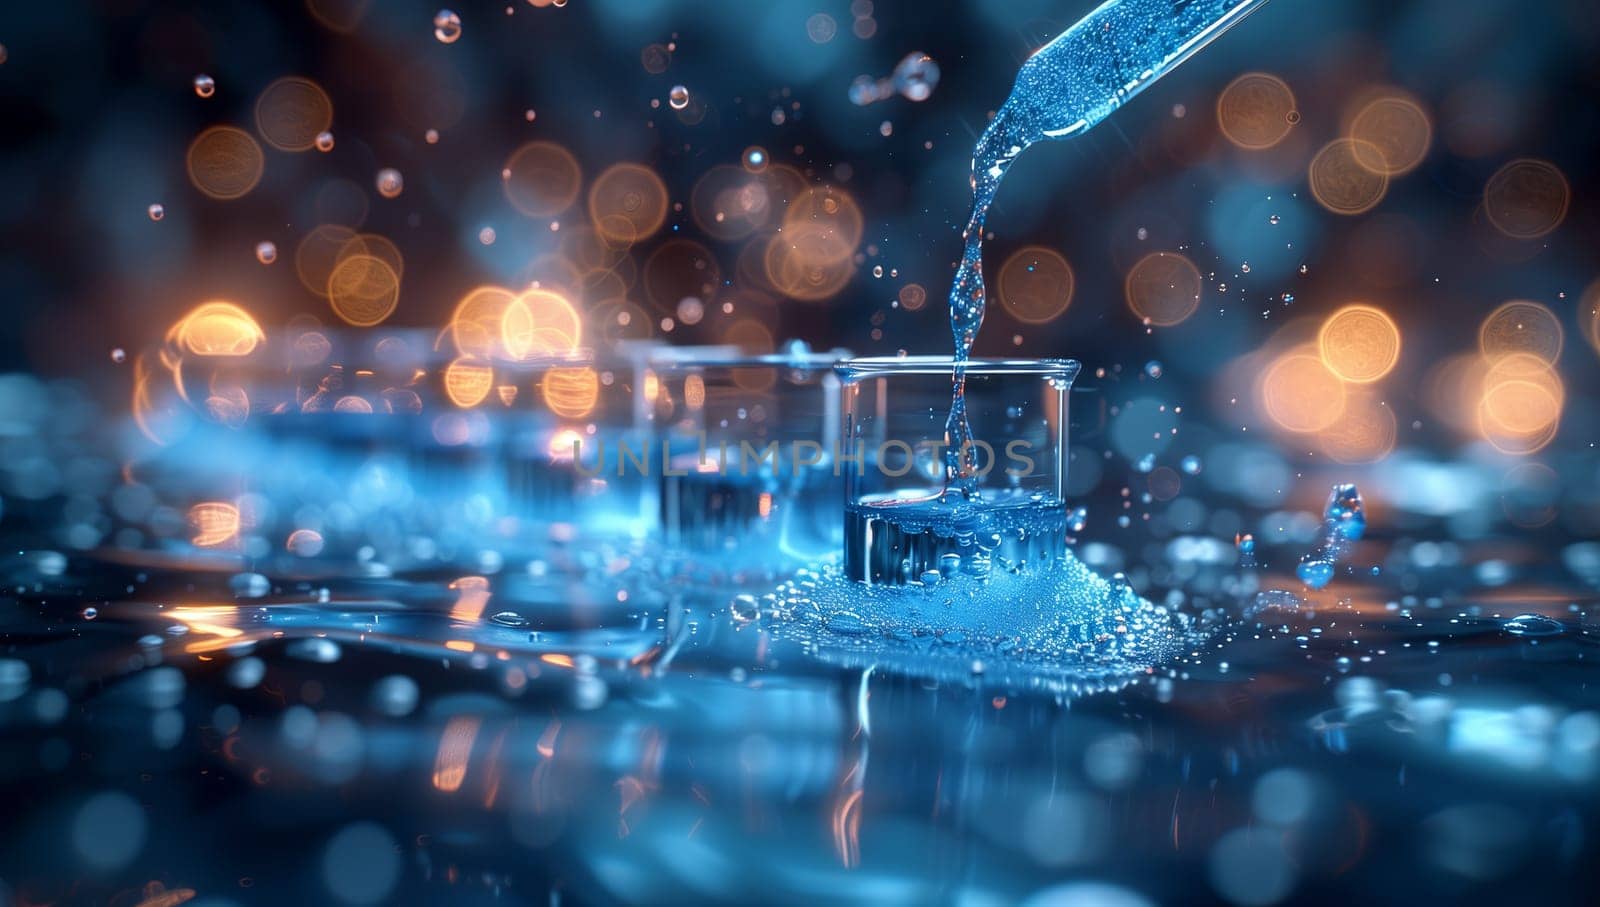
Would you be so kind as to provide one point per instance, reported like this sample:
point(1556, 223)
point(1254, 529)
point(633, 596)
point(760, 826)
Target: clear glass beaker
point(745, 458)
point(912, 515)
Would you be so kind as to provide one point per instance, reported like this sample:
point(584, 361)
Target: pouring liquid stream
point(1065, 88)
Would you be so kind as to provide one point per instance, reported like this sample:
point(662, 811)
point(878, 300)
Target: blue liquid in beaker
point(923, 540)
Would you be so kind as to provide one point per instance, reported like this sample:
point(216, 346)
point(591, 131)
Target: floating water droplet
point(446, 26)
point(1287, 298)
point(431, 136)
point(508, 619)
point(266, 252)
point(1077, 519)
point(91, 612)
point(886, 129)
point(1244, 268)
point(678, 97)
point(1314, 572)
point(1304, 269)
point(1273, 220)
point(1346, 513)
point(324, 141)
point(915, 76)
point(1146, 463)
point(1190, 465)
point(119, 355)
point(1245, 542)
point(204, 85)
point(157, 212)
point(877, 270)
point(486, 236)
point(1153, 368)
point(390, 183)
point(1533, 625)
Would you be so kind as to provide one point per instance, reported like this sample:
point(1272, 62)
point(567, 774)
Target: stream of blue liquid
point(1065, 88)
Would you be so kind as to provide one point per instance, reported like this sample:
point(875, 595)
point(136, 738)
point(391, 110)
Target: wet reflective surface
point(592, 720)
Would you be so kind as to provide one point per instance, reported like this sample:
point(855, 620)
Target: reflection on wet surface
point(427, 702)
point(508, 738)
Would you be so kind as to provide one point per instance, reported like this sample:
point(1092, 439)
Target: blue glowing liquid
point(1065, 88)
point(1344, 520)
point(926, 540)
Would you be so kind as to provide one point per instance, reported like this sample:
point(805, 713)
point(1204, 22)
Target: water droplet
point(915, 76)
point(324, 141)
point(508, 619)
point(204, 85)
point(431, 136)
point(1273, 220)
point(266, 252)
point(1146, 463)
point(390, 182)
point(119, 355)
point(1245, 542)
point(755, 159)
point(157, 212)
point(486, 236)
point(1142, 233)
point(1346, 513)
point(877, 270)
point(886, 129)
point(678, 97)
point(1191, 465)
point(1078, 518)
point(91, 612)
point(446, 26)
point(930, 577)
point(1244, 268)
point(1314, 572)
point(1304, 270)
point(1153, 368)
point(1533, 625)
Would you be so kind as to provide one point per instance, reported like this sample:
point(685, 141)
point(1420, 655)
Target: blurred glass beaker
point(904, 522)
point(746, 453)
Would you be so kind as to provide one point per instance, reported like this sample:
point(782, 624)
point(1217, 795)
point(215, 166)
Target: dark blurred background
point(98, 106)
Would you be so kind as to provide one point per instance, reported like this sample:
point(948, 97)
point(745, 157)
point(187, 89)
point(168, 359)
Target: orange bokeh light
point(1359, 343)
point(571, 392)
point(217, 328)
point(1163, 288)
point(1035, 285)
point(1301, 394)
point(215, 523)
point(1256, 111)
point(467, 382)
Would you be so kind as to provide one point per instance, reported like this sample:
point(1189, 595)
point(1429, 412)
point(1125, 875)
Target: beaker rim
point(878, 366)
point(733, 357)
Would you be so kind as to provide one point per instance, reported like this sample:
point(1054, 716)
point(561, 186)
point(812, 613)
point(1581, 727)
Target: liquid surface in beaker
point(900, 539)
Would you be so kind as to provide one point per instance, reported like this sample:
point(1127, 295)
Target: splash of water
point(1064, 89)
point(1344, 520)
